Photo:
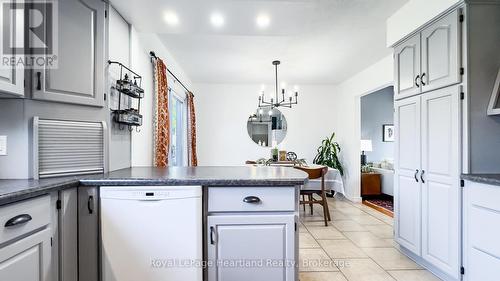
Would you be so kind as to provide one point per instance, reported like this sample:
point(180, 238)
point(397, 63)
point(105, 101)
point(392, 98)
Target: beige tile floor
point(357, 245)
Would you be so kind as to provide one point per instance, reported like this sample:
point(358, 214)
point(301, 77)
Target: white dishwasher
point(151, 233)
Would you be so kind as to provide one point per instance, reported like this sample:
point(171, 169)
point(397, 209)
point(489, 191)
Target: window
point(178, 132)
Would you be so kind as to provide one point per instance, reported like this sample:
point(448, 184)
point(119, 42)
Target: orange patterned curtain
point(193, 159)
point(161, 122)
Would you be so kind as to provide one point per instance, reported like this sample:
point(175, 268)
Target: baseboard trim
point(354, 199)
point(425, 264)
point(378, 208)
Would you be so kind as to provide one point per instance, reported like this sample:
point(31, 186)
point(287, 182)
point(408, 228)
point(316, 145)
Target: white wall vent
point(64, 148)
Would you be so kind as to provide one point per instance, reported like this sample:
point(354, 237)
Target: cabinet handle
point(416, 81)
point(251, 199)
point(90, 204)
point(212, 234)
point(422, 176)
point(17, 220)
point(422, 79)
point(39, 80)
point(416, 173)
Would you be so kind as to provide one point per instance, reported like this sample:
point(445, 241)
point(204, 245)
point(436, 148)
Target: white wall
point(141, 45)
point(118, 50)
point(347, 122)
point(412, 15)
point(223, 110)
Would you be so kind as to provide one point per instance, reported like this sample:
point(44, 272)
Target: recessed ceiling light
point(171, 18)
point(263, 21)
point(217, 20)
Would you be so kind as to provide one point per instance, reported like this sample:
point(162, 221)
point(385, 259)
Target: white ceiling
point(318, 41)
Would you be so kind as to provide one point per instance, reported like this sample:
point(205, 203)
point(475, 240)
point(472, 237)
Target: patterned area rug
point(387, 204)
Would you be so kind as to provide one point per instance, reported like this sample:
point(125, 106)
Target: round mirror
point(267, 127)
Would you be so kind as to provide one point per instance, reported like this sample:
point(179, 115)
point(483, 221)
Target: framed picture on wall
point(388, 133)
point(494, 105)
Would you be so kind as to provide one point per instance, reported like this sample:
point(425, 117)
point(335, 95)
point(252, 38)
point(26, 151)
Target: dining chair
point(314, 173)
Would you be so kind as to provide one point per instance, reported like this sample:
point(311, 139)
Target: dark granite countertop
point(493, 179)
point(16, 190)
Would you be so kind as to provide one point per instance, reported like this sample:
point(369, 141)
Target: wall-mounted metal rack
point(129, 84)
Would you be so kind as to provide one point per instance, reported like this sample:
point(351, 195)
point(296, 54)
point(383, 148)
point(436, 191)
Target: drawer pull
point(90, 204)
point(212, 231)
point(251, 199)
point(17, 220)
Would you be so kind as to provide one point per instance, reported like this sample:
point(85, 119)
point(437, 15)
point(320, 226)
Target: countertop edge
point(40, 189)
point(203, 182)
point(28, 193)
point(491, 179)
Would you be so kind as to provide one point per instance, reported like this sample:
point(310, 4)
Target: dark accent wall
point(377, 109)
point(484, 62)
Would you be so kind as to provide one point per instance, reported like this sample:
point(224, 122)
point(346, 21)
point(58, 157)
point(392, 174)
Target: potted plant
point(328, 154)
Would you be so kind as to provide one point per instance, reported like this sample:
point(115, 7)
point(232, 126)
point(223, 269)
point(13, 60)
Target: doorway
point(377, 149)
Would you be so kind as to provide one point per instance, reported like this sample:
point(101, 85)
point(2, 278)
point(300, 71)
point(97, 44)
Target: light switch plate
point(3, 145)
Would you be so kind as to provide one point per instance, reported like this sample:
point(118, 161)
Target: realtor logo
point(29, 34)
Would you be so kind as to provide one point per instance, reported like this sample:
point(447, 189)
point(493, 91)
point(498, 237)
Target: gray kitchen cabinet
point(26, 241)
point(79, 75)
point(430, 59)
point(28, 259)
point(251, 247)
point(68, 235)
point(407, 68)
point(441, 53)
point(88, 233)
point(12, 78)
point(251, 233)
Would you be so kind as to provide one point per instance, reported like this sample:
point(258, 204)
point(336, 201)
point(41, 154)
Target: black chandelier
point(277, 102)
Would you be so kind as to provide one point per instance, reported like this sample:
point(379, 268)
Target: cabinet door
point(407, 68)
point(68, 235)
point(440, 53)
point(79, 76)
point(27, 259)
point(234, 241)
point(441, 166)
point(481, 251)
point(12, 78)
point(88, 233)
point(407, 187)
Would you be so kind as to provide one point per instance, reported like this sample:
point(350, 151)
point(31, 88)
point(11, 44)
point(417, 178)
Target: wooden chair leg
point(304, 199)
point(326, 206)
point(311, 204)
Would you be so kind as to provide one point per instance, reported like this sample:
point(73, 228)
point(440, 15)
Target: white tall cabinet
point(428, 160)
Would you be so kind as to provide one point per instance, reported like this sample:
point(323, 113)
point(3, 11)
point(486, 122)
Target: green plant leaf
point(328, 154)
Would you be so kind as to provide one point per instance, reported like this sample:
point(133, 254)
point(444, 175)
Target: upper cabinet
point(79, 75)
point(440, 53)
point(430, 59)
point(12, 78)
point(407, 68)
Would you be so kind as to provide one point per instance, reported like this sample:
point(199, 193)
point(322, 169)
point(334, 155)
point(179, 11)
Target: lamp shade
point(366, 145)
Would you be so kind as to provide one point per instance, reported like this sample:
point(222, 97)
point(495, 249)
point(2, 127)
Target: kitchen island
point(248, 219)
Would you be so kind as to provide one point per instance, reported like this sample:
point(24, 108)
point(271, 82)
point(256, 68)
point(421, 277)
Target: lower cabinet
point(68, 235)
point(427, 179)
point(251, 247)
point(28, 259)
point(88, 234)
point(481, 250)
point(26, 241)
point(251, 233)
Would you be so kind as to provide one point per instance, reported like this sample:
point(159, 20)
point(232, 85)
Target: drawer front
point(31, 214)
point(251, 199)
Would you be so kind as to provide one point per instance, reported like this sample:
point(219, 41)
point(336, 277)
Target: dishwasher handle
point(212, 235)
